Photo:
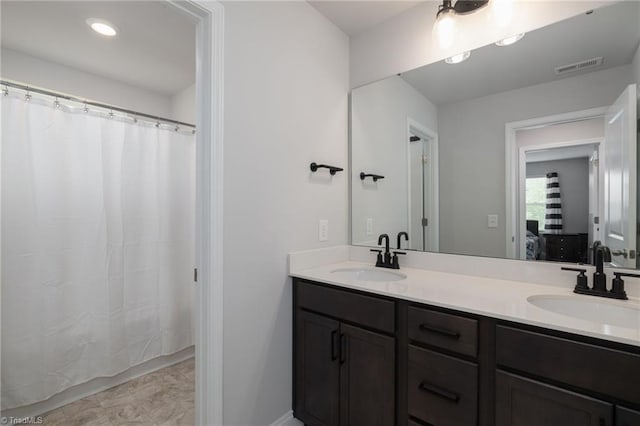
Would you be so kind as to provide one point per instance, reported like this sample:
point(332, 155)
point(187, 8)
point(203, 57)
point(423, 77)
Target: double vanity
point(375, 346)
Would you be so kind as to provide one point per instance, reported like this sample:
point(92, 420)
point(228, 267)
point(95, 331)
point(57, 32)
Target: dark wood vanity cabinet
point(344, 372)
point(361, 359)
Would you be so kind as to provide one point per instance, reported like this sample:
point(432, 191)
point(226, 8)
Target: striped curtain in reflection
point(553, 211)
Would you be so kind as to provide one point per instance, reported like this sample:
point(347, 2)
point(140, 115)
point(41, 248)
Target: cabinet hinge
point(195, 275)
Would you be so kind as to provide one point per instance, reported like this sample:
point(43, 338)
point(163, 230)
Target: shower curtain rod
point(59, 95)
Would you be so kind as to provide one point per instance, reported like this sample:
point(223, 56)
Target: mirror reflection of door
point(419, 193)
point(422, 184)
point(620, 179)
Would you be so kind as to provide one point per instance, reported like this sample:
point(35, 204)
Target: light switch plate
point(323, 230)
point(492, 221)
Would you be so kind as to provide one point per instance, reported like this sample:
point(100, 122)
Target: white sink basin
point(602, 311)
point(369, 274)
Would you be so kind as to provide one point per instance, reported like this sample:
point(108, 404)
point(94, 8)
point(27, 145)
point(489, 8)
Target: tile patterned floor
point(162, 398)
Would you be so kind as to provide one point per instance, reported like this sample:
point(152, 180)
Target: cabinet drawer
point(451, 332)
point(364, 310)
point(442, 390)
point(602, 370)
point(529, 403)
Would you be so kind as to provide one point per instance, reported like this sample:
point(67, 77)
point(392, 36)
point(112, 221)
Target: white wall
point(379, 145)
point(28, 69)
point(404, 42)
point(472, 156)
point(573, 175)
point(286, 93)
point(183, 105)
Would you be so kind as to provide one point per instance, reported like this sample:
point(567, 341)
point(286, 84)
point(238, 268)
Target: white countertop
point(501, 299)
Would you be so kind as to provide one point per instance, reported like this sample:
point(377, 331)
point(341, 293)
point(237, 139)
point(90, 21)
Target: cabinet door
point(627, 417)
point(367, 378)
point(317, 369)
point(524, 402)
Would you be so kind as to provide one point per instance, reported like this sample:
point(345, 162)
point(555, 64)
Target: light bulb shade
point(510, 40)
point(444, 29)
point(460, 57)
point(102, 27)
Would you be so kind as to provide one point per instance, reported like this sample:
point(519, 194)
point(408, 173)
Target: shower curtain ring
point(111, 113)
point(157, 124)
point(5, 92)
point(27, 96)
point(86, 108)
point(177, 127)
point(56, 104)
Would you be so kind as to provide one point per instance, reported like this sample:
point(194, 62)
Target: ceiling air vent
point(579, 66)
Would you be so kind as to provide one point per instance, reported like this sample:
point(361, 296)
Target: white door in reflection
point(620, 179)
point(422, 188)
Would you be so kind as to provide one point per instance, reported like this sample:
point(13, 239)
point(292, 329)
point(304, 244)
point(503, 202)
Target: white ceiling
point(355, 17)
point(154, 49)
point(612, 32)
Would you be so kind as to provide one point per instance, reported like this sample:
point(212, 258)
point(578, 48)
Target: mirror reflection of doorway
point(571, 174)
point(422, 188)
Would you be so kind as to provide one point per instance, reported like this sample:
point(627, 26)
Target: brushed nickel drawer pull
point(438, 391)
point(441, 331)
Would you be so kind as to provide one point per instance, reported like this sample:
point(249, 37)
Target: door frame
point(522, 177)
point(209, 19)
point(415, 128)
point(513, 166)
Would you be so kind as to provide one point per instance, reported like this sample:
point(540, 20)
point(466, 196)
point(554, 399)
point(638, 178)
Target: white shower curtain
point(97, 246)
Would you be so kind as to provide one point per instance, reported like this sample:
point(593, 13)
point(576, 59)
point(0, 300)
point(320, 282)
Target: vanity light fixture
point(510, 40)
point(102, 27)
point(444, 29)
point(460, 57)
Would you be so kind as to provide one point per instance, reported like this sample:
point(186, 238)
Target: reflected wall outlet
point(492, 221)
point(369, 226)
point(323, 230)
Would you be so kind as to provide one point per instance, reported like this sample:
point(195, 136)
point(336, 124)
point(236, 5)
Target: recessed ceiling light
point(102, 27)
point(460, 57)
point(510, 40)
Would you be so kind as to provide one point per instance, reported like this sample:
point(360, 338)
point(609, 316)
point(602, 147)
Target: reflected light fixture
point(501, 12)
point(510, 40)
point(102, 27)
point(444, 29)
point(460, 57)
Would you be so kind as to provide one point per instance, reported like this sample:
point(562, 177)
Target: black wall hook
point(375, 178)
point(332, 169)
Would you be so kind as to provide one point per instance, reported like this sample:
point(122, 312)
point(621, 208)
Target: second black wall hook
point(375, 177)
point(332, 169)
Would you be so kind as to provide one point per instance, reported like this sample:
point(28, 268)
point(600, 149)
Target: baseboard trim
point(98, 385)
point(287, 419)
